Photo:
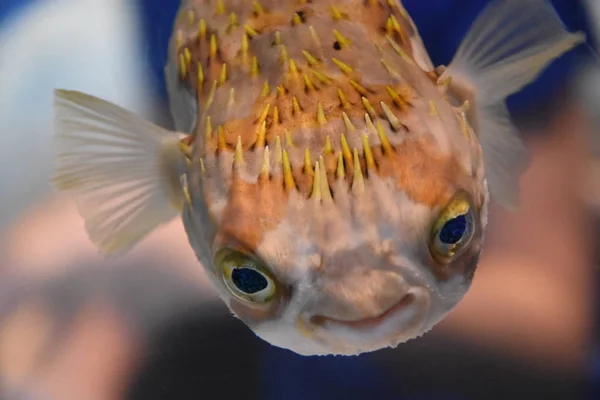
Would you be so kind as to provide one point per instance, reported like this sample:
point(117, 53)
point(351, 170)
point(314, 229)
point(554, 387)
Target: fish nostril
point(318, 320)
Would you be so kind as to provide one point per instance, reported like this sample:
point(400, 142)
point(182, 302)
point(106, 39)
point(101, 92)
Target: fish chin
point(318, 335)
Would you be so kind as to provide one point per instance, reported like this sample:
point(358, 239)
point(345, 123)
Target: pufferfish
point(332, 182)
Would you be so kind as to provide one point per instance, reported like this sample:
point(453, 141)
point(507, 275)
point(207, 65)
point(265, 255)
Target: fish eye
point(245, 277)
point(453, 230)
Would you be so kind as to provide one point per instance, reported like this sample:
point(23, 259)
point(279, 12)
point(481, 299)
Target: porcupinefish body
point(332, 182)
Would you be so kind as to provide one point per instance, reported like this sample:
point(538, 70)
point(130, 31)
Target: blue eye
point(454, 230)
point(248, 280)
point(246, 277)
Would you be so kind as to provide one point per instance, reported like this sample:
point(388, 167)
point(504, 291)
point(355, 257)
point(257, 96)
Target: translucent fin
point(505, 155)
point(124, 171)
point(508, 46)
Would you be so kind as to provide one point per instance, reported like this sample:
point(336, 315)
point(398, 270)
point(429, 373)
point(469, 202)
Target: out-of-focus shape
point(82, 331)
point(533, 299)
point(88, 45)
point(588, 85)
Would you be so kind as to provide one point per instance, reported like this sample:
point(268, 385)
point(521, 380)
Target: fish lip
point(368, 323)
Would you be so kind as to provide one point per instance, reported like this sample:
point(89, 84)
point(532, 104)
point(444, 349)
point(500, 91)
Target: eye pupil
point(248, 280)
point(454, 230)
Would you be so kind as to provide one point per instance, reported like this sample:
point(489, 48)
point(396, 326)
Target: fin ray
point(509, 45)
point(505, 155)
point(507, 48)
point(122, 169)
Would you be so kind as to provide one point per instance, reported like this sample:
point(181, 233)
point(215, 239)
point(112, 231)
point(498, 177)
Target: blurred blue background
point(189, 346)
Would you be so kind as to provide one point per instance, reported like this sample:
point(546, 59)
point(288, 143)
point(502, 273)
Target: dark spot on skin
point(336, 45)
point(368, 4)
point(302, 15)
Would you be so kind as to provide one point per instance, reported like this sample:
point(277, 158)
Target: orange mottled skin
point(288, 70)
point(321, 118)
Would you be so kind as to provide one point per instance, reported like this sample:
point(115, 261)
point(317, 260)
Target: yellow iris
point(453, 230)
point(245, 276)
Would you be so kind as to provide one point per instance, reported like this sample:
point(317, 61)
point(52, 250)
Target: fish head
point(324, 250)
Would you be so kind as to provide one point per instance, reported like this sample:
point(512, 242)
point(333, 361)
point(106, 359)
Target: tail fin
point(508, 46)
point(123, 170)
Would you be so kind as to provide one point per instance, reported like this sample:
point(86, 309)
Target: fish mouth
point(368, 323)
